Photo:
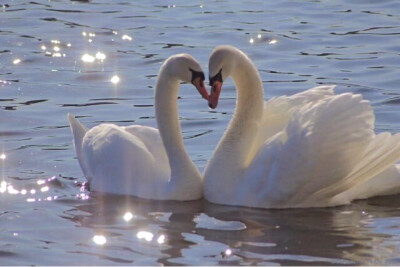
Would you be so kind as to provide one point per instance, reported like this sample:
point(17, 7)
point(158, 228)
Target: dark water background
point(45, 218)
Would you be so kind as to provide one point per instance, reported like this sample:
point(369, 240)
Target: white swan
point(312, 149)
point(139, 160)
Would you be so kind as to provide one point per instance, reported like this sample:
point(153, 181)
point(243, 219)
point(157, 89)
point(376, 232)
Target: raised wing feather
point(119, 156)
point(278, 111)
point(152, 139)
point(320, 146)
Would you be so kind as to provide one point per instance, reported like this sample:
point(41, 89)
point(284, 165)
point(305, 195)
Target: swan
point(311, 149)
point(142, 161)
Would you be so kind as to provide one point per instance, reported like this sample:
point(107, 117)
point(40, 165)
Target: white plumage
point(312, 149)
point(139, 160)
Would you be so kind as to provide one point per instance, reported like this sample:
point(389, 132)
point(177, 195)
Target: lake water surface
point(66, 56)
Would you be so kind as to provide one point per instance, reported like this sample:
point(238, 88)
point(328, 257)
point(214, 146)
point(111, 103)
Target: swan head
point(187, 69)
point(221, 64)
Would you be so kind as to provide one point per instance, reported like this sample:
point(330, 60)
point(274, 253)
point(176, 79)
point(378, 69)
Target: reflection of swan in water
point(312, 149)
point(294, 236)
point(137, 238)
point(143, 161)
point(361, 233)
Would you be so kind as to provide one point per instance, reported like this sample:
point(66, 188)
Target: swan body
point(311, 149)
point(143, 161)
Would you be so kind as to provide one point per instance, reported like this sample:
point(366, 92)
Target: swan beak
point(214, 96)
point(199, 84)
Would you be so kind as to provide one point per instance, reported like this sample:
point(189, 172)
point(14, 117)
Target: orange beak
point(199, 84)
point(214, 96)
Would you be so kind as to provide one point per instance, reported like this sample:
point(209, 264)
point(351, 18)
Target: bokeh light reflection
point(273, 41)
point(128, 216)
point(115, 79)
point(44, 189)
point(100, 56)
point(11, 190)
point(226, 253)
point(88, 58)
point(145, 235)
point(161, 239)
point(3, 186)
point(99, 240)
point(126, 37)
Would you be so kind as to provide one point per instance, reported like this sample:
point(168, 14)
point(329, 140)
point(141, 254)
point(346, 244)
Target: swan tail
point(385, 183)
point(369, 175)
point(78, 131)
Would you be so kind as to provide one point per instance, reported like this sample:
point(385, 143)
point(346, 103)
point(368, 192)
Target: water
point(45, 217)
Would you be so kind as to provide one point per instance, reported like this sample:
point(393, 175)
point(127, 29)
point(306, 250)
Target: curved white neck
point(236, 144)
point(166, 110)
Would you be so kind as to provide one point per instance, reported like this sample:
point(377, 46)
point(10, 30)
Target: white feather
point(312, 149)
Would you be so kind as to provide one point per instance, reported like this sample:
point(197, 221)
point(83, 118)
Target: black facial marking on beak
point(197, 74)
point(217, 78)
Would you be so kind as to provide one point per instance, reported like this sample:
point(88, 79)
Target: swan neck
point(246, 119)
point(166, 111)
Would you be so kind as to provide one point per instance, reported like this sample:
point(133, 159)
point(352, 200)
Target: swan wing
point(323, 151)
point(121, 160)
point(151, 138)
point(278, 111)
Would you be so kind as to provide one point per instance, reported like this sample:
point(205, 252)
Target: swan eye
point(217, 78)
point(197, 74)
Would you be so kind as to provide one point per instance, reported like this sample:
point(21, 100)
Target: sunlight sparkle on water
point(251, 40)
point(161, 239)
point(273, 41)
point(43, 47)
point(145, 235)
point(3, 186)
point(115, 79)
point(44, 189)
point(88, 58)
point(3, 156)
point(82, 196)
point(226, 253)
point(16, 61)
point(99, 239)
point(56, 48)
point(126, 37)
point(11, 190)
point(128, 216)
point(100, 56)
